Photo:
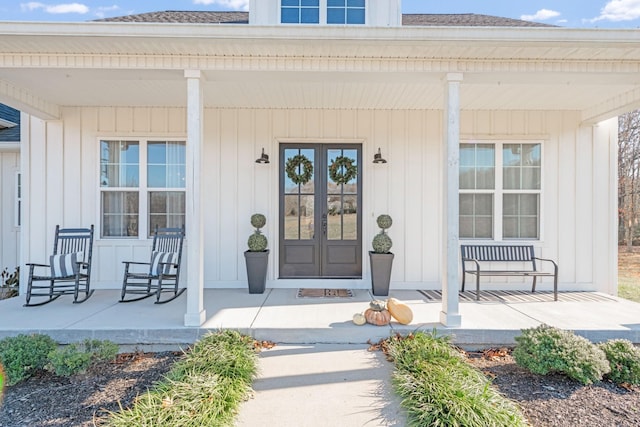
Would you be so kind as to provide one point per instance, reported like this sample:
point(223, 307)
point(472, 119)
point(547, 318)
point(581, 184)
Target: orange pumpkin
point(377, 314)
point(378, 318)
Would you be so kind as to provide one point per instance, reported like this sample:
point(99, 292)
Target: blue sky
point(568, 13)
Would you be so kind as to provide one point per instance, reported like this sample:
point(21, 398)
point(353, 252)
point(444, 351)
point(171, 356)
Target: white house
point(493, 130)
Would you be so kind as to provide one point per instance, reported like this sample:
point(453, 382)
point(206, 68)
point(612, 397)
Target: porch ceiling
point(45, 66)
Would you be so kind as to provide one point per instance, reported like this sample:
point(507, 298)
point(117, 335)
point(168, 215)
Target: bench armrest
point(555, 265)
point(464, 264)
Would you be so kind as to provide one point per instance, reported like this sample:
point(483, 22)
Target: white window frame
point(323, 15)
point(498, 191)
point(142, 189)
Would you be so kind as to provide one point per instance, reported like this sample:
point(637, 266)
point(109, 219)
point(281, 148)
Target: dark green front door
point(320, 211)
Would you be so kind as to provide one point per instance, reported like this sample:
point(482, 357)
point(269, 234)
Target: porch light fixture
point(377, 158)
point(263, 159)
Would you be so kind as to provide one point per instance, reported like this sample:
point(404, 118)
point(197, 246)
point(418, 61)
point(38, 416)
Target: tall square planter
point(257, 270)
point(380, 272)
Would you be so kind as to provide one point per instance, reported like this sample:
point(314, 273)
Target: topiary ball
point(258, 220)
point(257, 242)
point(384, 221)
point(382, 243)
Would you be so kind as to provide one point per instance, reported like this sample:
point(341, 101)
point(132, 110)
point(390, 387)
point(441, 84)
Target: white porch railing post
point(196, 314)
point(450, 315)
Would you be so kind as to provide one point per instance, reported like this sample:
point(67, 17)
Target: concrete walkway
point(321, 385)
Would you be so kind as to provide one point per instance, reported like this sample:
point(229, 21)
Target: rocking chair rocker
point(163, 274)
point(70, 268)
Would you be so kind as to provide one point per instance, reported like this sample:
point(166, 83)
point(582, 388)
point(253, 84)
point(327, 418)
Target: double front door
point(320, 211)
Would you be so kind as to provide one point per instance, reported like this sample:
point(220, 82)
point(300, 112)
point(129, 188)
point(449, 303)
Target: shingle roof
point(11, 134)
point(184, 17)
point(465, 20)
point(414, 19)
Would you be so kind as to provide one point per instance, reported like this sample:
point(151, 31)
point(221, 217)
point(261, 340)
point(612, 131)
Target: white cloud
point(56, 8)
point(102, 10)
point(231, 4)
point(541, 15)
point(619, 10)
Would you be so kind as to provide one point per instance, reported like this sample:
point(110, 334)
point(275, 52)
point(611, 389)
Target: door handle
point(324, 224)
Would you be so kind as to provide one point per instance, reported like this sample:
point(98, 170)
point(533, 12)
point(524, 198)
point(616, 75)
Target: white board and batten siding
point(9, 230)
point(578, 194)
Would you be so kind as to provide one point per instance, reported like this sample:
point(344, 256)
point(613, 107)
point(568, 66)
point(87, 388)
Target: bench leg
point(477, 287)
point(533, 288)
point(555, 287)
point(464, 275)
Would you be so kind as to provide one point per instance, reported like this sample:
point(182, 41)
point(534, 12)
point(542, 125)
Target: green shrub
point(22, 355)
point(438, 388)
point(78, 357)
point(624, 361)
point(546, 349)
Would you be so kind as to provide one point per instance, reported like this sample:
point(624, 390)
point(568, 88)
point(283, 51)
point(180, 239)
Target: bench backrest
point(499, 253)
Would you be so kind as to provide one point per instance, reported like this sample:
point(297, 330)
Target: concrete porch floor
point(279, 315)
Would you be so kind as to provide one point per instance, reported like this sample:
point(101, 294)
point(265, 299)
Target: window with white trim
point(142, 186)
point(323, 12)
point(500, 190)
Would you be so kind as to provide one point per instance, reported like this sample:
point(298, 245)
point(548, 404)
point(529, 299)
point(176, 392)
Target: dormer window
point(323, 12)
point(345, 11)
point(300, 12)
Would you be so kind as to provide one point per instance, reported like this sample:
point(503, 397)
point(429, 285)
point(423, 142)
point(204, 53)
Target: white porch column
point(195, 315)
point(450, 316)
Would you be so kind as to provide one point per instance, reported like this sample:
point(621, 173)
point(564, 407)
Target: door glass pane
point(299, 199)
point(342, 194)
point(298, 217)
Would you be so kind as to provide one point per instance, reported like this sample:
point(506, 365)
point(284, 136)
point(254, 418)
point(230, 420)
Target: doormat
point(324, 293)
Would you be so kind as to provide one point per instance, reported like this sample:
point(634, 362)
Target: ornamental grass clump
point(545, 349)
point(204, 389)
point(438, 388)
point(624, 361)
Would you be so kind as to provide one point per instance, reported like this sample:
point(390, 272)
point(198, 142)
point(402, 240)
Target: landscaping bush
point(546, 349)
point(624, 361)
point(438, 388)
point(77, 357)
point(22, 355)
point(204, 389)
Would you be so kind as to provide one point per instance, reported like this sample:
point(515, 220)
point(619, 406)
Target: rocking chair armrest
point(173, 264)
point(37, 265)
point(136, 262)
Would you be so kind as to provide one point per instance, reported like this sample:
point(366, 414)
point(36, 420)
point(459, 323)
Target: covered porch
point(230, 91)
point(279, 315)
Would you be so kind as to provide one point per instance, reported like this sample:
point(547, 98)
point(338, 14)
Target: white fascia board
point(557, 35)
point(24, 100)
point(6, 123)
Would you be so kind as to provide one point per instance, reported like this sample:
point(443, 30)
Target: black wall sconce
point(377, 158)
point(263, 159)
